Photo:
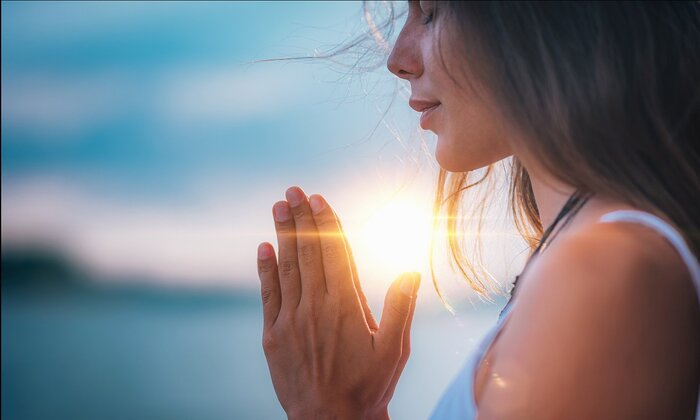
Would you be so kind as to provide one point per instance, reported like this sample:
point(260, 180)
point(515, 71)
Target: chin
point(449, 160)
point(453, 160)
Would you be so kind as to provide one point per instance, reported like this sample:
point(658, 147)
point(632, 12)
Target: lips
point(426, 108)
point(422, 105)
point(425, 117)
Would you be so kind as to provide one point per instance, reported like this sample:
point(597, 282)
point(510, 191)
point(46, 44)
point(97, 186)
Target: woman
point(599, 106)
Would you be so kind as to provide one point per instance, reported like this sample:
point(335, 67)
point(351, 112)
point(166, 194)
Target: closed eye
point(428, 11)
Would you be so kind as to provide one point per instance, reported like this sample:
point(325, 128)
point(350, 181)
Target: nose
point(405, 59)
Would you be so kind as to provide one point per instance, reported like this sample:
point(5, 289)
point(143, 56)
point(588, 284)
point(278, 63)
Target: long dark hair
point(606, 93)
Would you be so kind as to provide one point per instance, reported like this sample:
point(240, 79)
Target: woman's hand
point(327, 356)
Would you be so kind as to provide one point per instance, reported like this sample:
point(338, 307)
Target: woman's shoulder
point(625, 261)
point(604, 318)
point(616, 278)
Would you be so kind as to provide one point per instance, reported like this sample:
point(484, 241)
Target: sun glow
point(396, 237)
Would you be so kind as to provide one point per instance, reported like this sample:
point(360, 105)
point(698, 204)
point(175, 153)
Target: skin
point(328, 357)
point(605, 323)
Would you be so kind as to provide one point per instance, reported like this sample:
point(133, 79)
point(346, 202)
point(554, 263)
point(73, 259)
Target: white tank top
point(457, 402)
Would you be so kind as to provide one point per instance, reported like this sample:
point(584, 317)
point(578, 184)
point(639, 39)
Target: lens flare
point(396, 237)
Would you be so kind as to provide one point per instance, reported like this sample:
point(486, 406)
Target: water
point(106, 355)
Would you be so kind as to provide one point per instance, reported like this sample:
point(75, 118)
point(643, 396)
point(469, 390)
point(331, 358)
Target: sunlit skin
point(327, 355)
point(595, 333)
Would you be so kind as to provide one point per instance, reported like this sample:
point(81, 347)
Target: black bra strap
point(571, 207)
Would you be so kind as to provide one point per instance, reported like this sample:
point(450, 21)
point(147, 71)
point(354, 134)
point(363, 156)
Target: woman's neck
point(550, 194)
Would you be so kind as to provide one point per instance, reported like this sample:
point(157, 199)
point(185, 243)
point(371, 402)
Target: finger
point(269, 284)
point(371, 322)
point(405, 353)
point(397, 311)
point(287, 260)
point(336, 264)
point(308, 246)
point(406, 339)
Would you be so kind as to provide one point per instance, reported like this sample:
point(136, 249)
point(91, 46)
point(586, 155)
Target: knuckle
point(325, 222)
point(307, 253)
point(267, 294)
point(331, 252)
point(285, 229)
point(265, 266)
point(269, 342)
point(288, 268)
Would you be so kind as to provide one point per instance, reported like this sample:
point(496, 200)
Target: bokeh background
point(143, 145)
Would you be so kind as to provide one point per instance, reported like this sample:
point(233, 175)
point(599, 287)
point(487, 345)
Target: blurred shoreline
point(46, 271)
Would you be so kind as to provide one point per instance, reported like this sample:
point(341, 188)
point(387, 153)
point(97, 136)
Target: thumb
point(397, 309)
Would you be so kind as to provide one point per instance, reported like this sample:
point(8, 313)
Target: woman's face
point(470, 131)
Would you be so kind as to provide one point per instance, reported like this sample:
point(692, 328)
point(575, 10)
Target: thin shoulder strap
point(576, 200)
point(666, 230)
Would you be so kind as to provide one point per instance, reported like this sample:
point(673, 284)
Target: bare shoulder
point(604, 326)
point(627, 261)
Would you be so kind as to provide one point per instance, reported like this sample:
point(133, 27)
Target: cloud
point(230, 94)
point(53, 22)
point(62, 107)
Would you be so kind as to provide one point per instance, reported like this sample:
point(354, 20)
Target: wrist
point(331, 413)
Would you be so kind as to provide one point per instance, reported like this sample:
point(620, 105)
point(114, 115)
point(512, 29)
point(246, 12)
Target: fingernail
point(264, 251)
point(295, 196)
point(281, 211)
point(408, 283)
point(316, 203)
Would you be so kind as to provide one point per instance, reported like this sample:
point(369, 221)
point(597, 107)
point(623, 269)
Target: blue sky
point(133, 87)
point(141, 139)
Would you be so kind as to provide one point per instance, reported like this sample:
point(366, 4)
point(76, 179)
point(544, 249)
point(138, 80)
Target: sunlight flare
point(396, 237)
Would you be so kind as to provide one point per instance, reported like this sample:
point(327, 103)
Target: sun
point(395, 238)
